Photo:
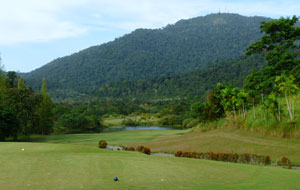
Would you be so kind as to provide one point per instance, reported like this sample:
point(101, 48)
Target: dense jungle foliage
point(191, 85)
point(149, 53)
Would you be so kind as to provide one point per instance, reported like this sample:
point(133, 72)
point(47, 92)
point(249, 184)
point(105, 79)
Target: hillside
point(148, 53)
point(192, 84)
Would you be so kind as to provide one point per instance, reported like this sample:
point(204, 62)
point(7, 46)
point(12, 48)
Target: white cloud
point(34, 21)
point(132, 14)
point(44, 20)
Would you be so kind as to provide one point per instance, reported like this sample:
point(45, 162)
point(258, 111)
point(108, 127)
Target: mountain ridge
point(149, 53)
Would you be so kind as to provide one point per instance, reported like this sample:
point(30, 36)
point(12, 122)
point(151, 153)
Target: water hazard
point(133, 128)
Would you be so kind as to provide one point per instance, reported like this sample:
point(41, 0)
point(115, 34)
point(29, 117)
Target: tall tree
point(12, 79)
point(8, 122)
point(45, 111)
point(230, 99)
point(24, 102)
point(21, 83)
point(279, 45)
point(288, 88)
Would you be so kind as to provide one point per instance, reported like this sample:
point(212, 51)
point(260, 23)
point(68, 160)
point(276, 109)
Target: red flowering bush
point(285, 161)
point(178, 153)
point(102, 144)
point(229, 157)
point(147, 150)
point(223, 157)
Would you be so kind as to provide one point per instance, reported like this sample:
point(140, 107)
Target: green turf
point(115, 138)
point(221, 140)
point(45, 166)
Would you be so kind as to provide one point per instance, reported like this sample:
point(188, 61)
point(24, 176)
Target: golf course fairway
point(48, 166)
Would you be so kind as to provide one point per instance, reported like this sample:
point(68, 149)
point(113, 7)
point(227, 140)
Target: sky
point(35, 32)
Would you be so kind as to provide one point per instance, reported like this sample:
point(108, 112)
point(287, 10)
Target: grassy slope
point(66, 166)
point(236, 141)
point(115, 138)
point(221, 140)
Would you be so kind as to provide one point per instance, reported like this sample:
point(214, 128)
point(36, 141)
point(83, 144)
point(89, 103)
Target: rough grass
point(113, 121)
point(75, 167)
point(265, 122)
point(118, 120)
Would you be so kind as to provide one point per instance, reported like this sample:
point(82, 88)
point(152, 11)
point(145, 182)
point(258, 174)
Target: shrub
point(130, 122)
point(222, 156)
point(233, 158)
point(286, 162)
point(147, 150)
point(194, 155)
point(229, 157)
point(170, 120)
point(189, 123)
point(210, 155)
point(267, 160)
point(102, 144)
point(244, 158)
point(187, 154)
point(178, 153)
point(130, 149)
point(140, 148)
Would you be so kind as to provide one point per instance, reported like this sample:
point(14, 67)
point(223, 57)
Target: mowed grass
point(48, 166)
point(231, 141)
point(115, 138)
point(221, 140)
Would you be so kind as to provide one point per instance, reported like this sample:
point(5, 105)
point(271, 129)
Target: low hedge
point(141, 148)
point(285, 162)
point(227, 157)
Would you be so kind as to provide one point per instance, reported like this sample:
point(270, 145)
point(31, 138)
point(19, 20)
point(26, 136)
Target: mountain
point(185, 85)
point(150, 53)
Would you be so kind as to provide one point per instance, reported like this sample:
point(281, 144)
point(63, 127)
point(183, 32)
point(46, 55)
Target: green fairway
point(43, 166)
point(115, 138)
point(231, 141)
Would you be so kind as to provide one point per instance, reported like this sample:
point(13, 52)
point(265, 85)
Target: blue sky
point(34, 32)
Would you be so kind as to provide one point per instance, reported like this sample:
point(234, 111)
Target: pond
point(133, 128)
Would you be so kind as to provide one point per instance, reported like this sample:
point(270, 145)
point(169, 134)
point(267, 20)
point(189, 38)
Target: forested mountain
point(185, 85)
point(149, 53)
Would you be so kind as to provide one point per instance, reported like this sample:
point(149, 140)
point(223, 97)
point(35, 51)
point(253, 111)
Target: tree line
point(279, 79)
point(22, 111)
